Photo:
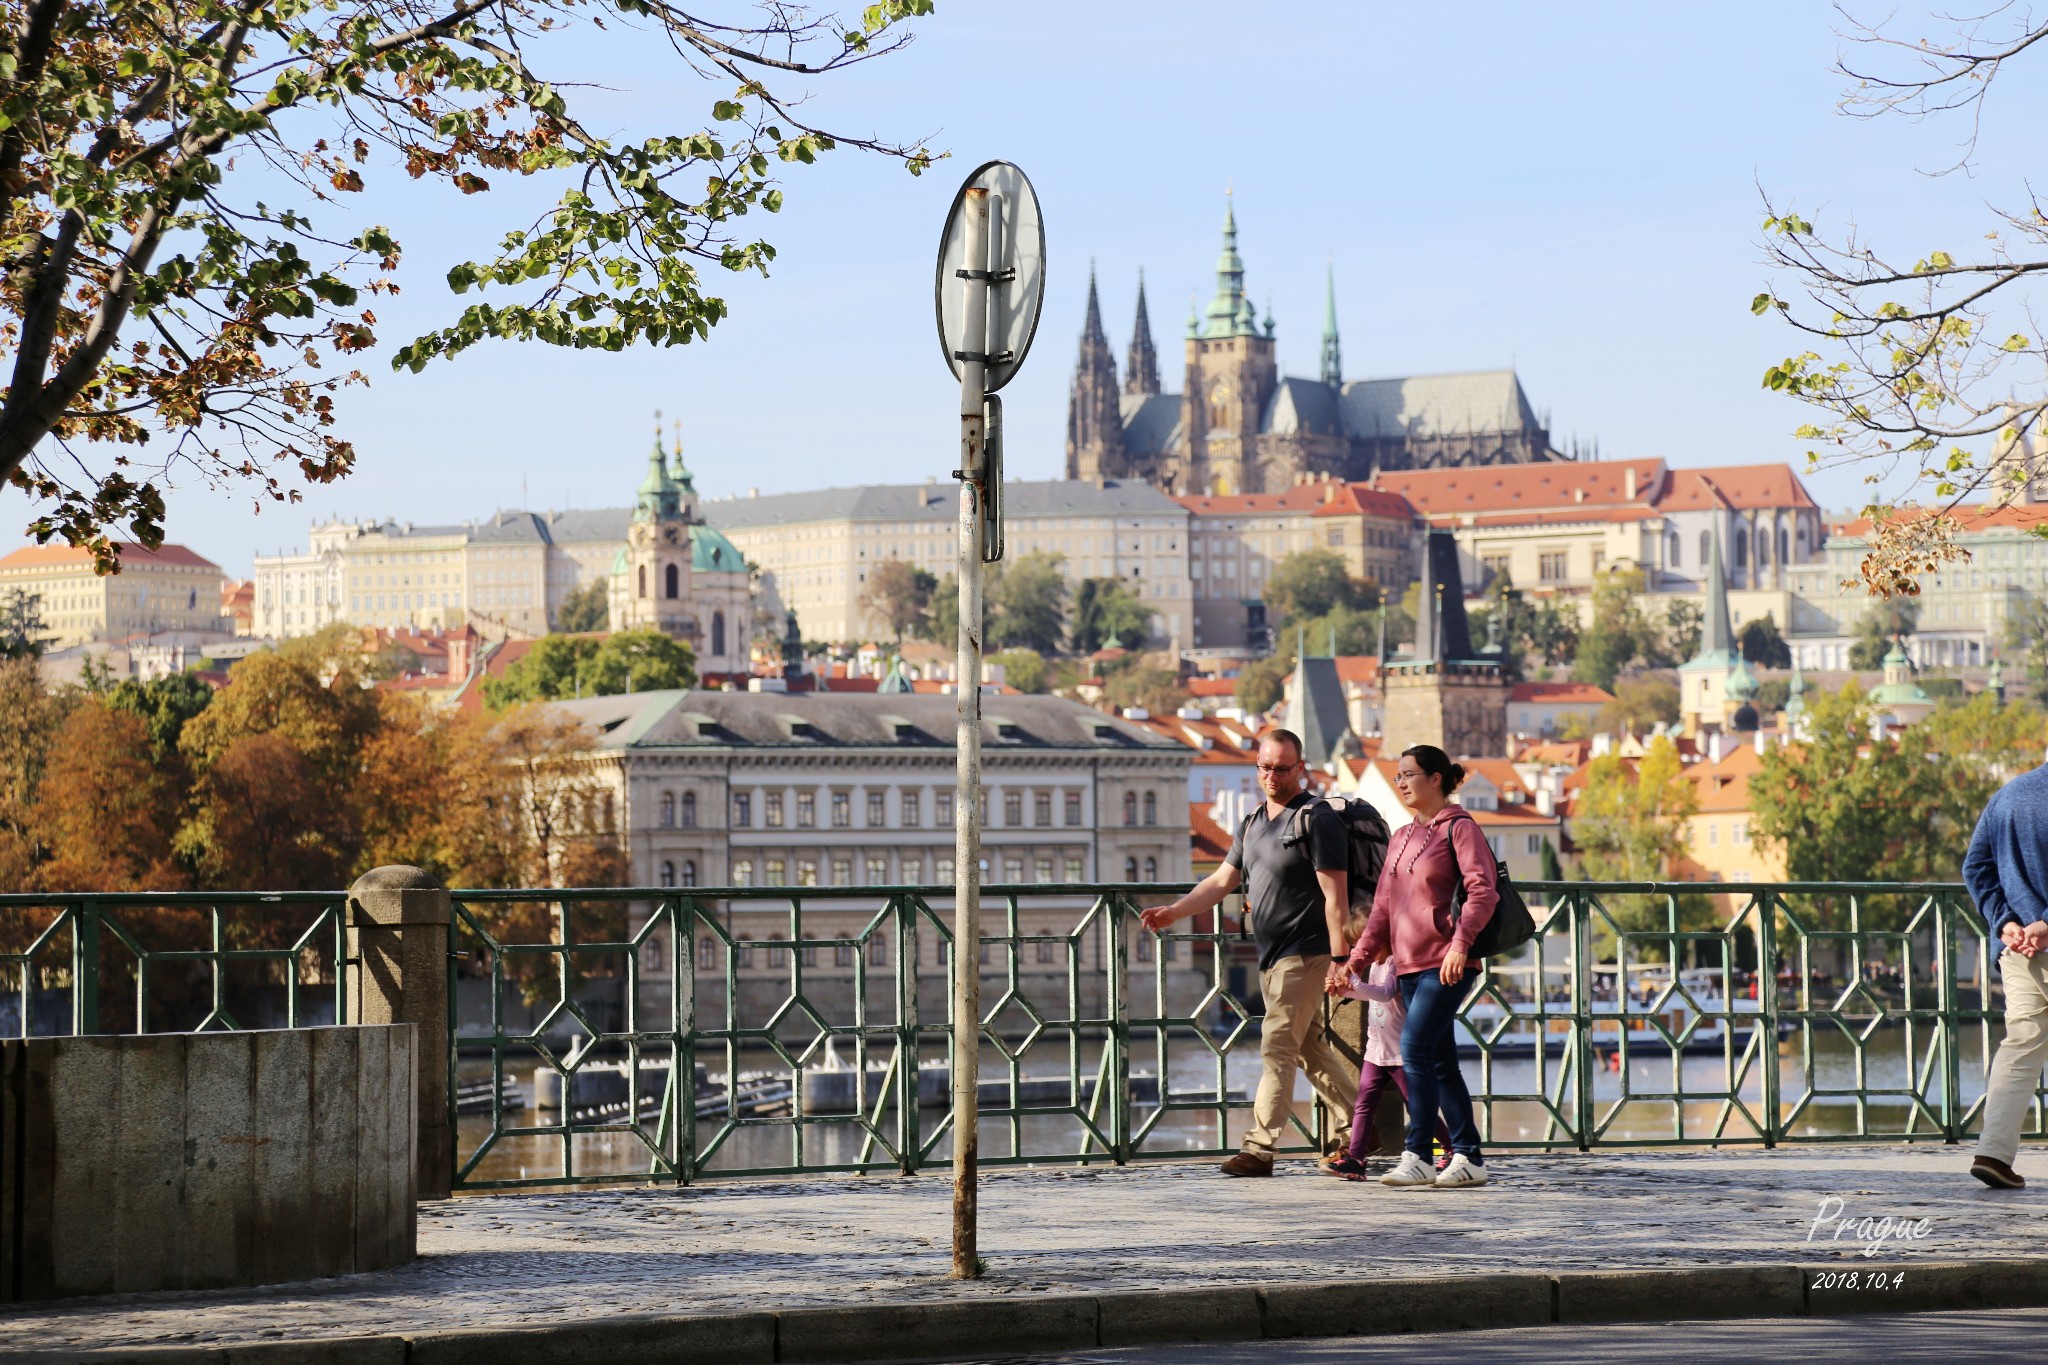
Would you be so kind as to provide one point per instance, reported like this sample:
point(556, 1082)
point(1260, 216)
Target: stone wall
point(204, 1160)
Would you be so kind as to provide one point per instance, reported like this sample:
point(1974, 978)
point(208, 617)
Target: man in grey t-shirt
point(1290, 856)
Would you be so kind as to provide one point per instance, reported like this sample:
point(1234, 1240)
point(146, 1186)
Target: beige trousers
point(2016, 1070)
point(1293, 1038)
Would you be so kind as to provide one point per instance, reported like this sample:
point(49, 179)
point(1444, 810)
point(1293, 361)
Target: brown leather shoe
point(1997, 1174)
point(1246, 1163)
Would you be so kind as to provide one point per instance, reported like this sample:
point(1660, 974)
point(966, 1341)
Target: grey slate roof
point(1151, 421)
point(938, 502)
point(826, 720)
point(1483, 400)
point(553, 528)
point(1305, 407)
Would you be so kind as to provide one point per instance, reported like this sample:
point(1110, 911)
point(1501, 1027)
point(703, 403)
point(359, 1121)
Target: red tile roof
point(1211, 687)
point(131, 554)
point(1972, 519)
point(1561, 693)
point(1362, 500)
point(1303, 497)
point(1743, 486)
point(1358, 668)
point(1564, 487)
point(1210, 840)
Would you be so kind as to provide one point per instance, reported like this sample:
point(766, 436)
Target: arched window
point(689, 820)
point(1741, 550)
point(717, 632)
point(1130, 808)
point(1130, 869)
point(651, 956)
point(689, 872)
point(1706, 548)
point(643, 580)
point(1677, 556)
point(1782, 556)
point(1763, 548)
point(1151, 809)
point(668, 874)
point(672, 585)
point(668, 810)
point(1151, 869)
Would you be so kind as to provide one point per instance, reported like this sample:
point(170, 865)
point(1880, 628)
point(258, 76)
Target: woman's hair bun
point(1454, 778)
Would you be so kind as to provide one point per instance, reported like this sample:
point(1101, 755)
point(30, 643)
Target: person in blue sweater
point(2006, 870)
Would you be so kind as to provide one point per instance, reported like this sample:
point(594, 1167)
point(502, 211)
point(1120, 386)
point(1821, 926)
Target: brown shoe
point(1997, 1174)
point(1247, 1163)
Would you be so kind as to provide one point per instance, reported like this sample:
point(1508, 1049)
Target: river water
point(1512, 1114)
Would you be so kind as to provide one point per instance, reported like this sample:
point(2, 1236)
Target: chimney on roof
point(1628, 483)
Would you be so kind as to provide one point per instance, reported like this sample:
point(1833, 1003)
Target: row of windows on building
point(673, 810)
point(1072, 868)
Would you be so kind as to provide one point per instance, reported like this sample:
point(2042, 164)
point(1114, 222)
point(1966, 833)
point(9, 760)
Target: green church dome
point(711, 552)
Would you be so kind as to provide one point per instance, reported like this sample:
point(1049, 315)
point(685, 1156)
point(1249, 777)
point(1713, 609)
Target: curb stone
point(1011, 1325)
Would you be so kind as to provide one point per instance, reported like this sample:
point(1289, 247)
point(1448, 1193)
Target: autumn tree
point(1924, 363)
point(897, 597)
point(106, 813)
point(1631, 827)
point(1158, 690)
point(158, 300)
point(265, 818)
point(556, 794)
point(33, 717)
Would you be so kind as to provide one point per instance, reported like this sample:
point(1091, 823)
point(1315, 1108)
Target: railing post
point(909, 1125)
point(1767, 1011)
point(1949, 1026)
point(398, 926)
point(1581, 924)
point(1118, 1076)
point(85, 970)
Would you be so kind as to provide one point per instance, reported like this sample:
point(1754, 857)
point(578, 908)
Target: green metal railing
point(170, 962)
point(688, 1034)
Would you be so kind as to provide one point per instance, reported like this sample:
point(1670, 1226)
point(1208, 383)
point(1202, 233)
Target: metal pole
point(967, 802)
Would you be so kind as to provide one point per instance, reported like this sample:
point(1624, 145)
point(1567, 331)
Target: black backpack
point(1511, 925)
point(1365, 839)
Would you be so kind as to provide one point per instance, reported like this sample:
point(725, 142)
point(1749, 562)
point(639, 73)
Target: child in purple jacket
point(1384, 1015)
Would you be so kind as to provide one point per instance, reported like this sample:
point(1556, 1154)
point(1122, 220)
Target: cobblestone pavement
point(510, 1260)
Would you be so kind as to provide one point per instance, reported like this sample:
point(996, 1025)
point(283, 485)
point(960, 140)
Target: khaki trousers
point(1293, 1038)
point(2016, 1070)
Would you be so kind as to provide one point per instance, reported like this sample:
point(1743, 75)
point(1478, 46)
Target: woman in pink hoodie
point(1412, 922)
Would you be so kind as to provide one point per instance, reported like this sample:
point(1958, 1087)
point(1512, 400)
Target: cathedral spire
point(1141, 370)
point(1333, 360)
point(1230, 312)
point(1092, 329)
point(1095, 433)
point(1717, 636)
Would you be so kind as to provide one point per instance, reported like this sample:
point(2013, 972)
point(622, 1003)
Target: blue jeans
point(1429, 1054)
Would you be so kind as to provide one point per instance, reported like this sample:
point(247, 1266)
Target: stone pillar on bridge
point(398, 932)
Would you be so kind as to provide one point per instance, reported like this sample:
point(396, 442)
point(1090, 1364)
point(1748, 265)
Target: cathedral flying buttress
point(1239, 426)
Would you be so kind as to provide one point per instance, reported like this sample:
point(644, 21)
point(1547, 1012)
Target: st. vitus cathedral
point(1239, 426)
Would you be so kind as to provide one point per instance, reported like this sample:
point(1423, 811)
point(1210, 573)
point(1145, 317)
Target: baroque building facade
point(679, 576)
point(1240, 426)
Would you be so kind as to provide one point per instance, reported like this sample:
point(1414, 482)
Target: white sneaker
point(1411, 1173)
point(1460, 1174)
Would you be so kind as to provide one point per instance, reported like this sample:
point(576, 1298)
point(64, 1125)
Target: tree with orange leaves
point(105, 812)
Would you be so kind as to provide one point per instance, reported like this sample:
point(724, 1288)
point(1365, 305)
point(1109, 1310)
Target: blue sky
point(1572, 190)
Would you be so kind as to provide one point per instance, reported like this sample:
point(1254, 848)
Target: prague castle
point(1239, 426)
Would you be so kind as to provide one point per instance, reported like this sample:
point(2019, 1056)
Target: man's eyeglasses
point(1271, 768)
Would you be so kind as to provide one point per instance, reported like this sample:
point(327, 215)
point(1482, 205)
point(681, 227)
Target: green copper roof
point(658, 495)
point(1795, 703)
point(711, 552)
point(1741, 684)
point(1230, 312)
point(1333, 358)
point(893, 681)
